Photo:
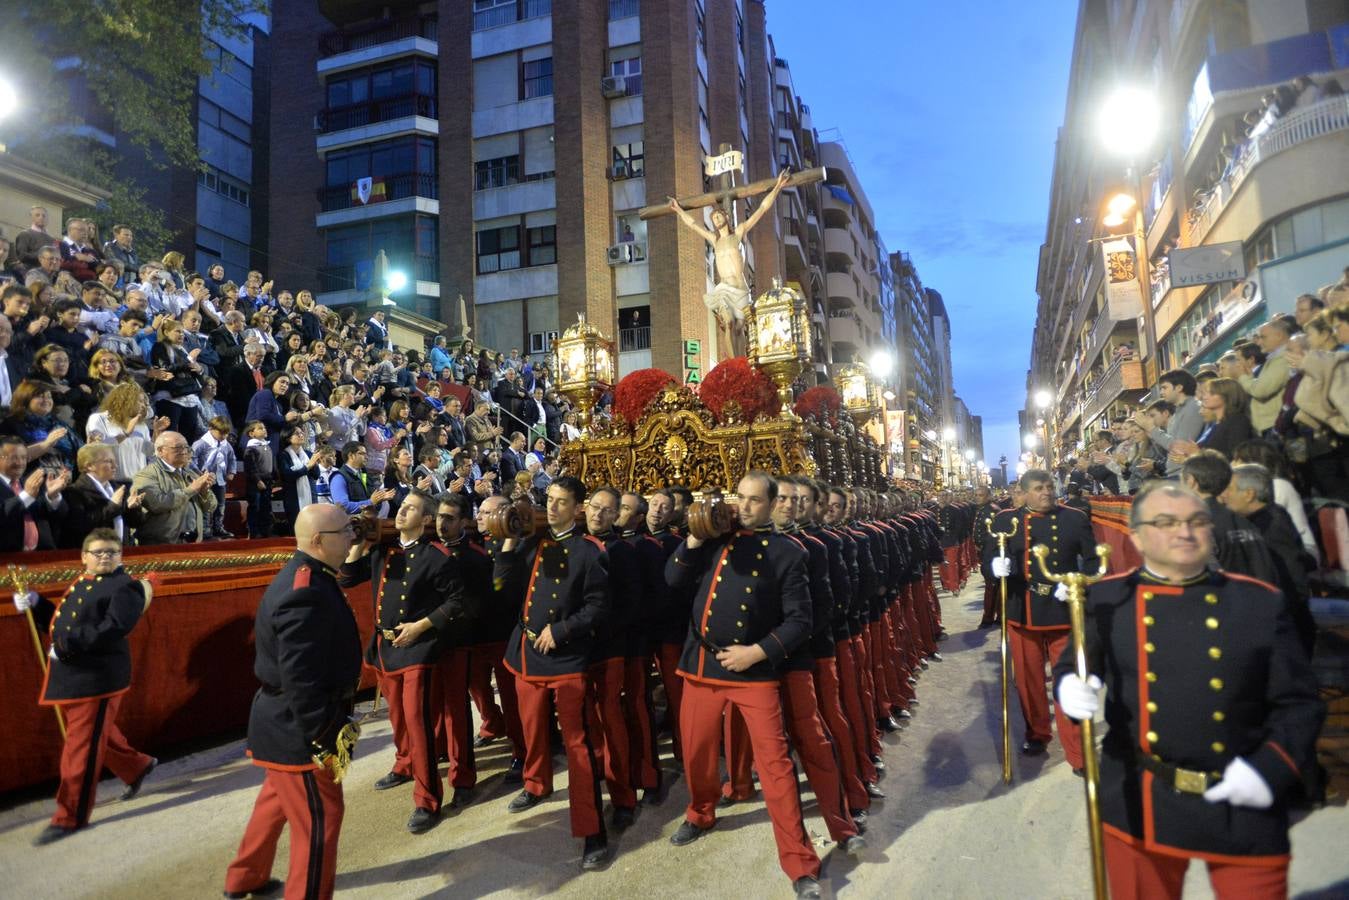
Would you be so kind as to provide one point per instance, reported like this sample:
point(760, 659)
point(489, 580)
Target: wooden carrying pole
point(1077, 596)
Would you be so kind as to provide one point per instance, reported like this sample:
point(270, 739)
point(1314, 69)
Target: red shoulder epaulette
point(594, 540)
point(302, 576)
point(441, 547)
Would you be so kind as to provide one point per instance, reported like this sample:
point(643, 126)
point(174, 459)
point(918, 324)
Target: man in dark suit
point(454, 423)
point(97, 501)
point(509, 394)
point(240, 382)
point(32, 509)
point(513, 458)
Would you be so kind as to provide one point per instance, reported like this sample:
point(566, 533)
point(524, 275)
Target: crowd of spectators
point(142, 396)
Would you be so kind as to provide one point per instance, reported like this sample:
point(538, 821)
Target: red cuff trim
point(1283, 754)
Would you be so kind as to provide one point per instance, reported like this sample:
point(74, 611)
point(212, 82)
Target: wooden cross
point(730, 192)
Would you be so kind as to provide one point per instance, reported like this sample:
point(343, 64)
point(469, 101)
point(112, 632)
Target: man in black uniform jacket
point(751, 611)
point(419, 597)
point(89, 672)
point(986, 509)
point(309, 663)
point(665, 609)
point(566, 590)
point(1212, 711)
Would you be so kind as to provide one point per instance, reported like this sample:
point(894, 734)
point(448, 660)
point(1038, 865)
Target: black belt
point(271, 691)
point(703, 639)
point(1182, 781)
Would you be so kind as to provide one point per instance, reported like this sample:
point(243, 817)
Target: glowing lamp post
point(778, 326)
point(584, 363)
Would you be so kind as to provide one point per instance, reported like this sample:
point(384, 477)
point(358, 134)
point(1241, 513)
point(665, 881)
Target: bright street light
point(396, 280)
point(1043, 398)
point(1030, 441)
point(969, 455)
point(882, 363)
point(930, 435)
point(9, 98)
point(888, 395)
point(1129, 121)
point(949, 434)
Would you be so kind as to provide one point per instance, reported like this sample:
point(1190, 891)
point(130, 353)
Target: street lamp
point(9, 98)
point(395, 281)
point(882, 363)
point(1043, 398)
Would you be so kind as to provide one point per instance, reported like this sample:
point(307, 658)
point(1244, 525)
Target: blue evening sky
point(949, 112)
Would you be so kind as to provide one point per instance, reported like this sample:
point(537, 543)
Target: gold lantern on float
point(583, 359)
point(861, 396)
point(777, 325)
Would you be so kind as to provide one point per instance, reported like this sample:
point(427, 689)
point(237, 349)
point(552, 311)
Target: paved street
point(948, 828)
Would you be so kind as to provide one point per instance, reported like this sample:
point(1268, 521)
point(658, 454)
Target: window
point(542, 245)
point(494, 173)
point(218, 182)
point(490, 13)
point(498, 249)
point(385, 159)
point(700, 20)
point(630, 70)
point(538, 78)
point(628, 161)
point(401, 79)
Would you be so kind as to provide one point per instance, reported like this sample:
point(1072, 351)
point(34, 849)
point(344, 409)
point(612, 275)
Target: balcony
point(351, 48)
point(623, 9)
point(358, 115)
point(843, 287)
point(344, 277)
point(494, 15)
point(394, 187)
point(845, 330)
point(633, 339)
point(1298, 127)
point(1121, 376)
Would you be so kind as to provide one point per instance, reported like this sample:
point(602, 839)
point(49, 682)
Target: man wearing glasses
point(1212, 710)
point(1037, 619)
point(309, 662)
point(89, 671)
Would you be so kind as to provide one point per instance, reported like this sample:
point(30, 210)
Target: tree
point(129, 68)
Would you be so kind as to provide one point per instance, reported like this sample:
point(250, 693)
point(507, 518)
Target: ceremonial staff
point(1002, 538)
point(19, 578)
point(1077, 594)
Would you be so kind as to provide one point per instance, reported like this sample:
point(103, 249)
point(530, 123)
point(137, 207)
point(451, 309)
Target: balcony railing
point(343, 277)
point(507, 13)
point(1298, 127)
point(394, 187)
point(630, 339)
point(1122, 375)
point(345, 40)
point(356, 115)
point(623, 9)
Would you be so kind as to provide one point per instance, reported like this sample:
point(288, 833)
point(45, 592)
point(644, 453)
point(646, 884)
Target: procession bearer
point(751, 610)
point(1212, 710)
point(309, 662)
point(1037, 619)
point(89, 671)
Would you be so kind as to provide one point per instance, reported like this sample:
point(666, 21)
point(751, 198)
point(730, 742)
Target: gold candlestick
point(18, 576)
point(1002, 538)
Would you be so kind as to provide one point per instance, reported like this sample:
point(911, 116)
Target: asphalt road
point(947, 828)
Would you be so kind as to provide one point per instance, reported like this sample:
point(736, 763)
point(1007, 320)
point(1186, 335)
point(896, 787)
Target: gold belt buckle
point(1189, 781)
point(1043, 590)
point(533, 636)
point(389, 634)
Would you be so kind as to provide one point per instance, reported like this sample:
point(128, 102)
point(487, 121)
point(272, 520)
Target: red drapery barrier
point(191, 654)
point(1110, 521)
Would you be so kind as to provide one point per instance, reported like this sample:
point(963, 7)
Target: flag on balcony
point(841, 195)
point(368, 190)
point(1121, 279)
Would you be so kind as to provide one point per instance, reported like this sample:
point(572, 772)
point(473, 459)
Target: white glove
point(1241, 786)
point(1002, 567)
point(1077, 698)
point(1061, 592)
point(25, 601)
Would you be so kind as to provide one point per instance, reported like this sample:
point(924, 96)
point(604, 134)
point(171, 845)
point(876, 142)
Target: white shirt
point(1287, 496)
point(26, 498)
point(6, 389)
point(106, 491)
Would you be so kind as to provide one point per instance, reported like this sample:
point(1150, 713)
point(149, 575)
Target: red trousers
point(992, 601)
point(851, 697)
point(950, 569)
point(637, 709)
point(862, 666)
point(933, 605)
point(484, 660)
point(1138, 874)
point(735, 744)
point(93, 741)
point(701, 712)
point(567, 694)
point(897, 685)
point(880, 687)
point(311, 804)
point(827, 693)
point(604, 707)
point(815, 748)
point(454, 728)
point(667, 661)
point(414, 697)
point(1031, 652)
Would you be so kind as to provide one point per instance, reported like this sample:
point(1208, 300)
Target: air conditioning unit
point(613, 86)
point(620, 253)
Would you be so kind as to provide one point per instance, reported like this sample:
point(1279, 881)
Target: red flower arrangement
point(822, 402)
point(635, 391)
point(736, 380)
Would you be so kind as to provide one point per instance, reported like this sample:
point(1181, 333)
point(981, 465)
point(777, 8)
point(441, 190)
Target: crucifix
point(730, 296)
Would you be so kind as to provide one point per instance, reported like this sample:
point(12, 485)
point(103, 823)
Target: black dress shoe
point(913, 679)
point(914, 702)
point(874, 791)
point(423, 820)
point(687, 833)
point(392, 780)
point(223, 535)
point(51, 833)
point(888, 724)
point(516, 773)
point(653, 796)
point(270, 886)
point(878, 763)
point(943, 636)
point(523, 801)
point(859, 819)
point(987, 624)
point(807, 887)
point(903, 714)
point(134, 787)
point(596, 853)
point(854, 846)
point(462, 797)
point(483, 740)
point(937, 657)
point(1080, 773)
point(1033, 748)
point(623, 817)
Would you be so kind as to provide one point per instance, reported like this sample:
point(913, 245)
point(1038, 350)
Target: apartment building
point(1247, 165)
point(917, 386)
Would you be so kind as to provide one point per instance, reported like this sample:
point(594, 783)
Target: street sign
point(730, 161)
point(1208, 264)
